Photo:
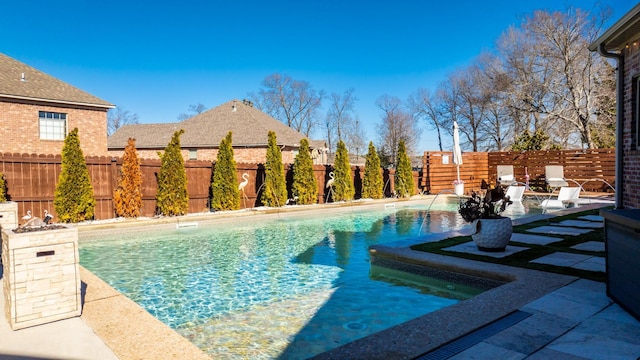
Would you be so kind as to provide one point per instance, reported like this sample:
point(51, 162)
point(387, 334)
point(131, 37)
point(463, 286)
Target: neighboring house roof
point(249, 126)
point(21, 81)
point(617, 37)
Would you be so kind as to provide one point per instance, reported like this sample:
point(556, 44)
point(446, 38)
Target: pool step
point(181, 225)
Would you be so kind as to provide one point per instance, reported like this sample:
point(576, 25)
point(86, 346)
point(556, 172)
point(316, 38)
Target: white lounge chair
point(567, 196)
point(554, 176)
point(515, 193)
point(505, 175)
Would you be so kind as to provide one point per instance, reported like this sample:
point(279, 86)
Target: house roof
point(249, 126)
point(21, 81)
point(618, 36)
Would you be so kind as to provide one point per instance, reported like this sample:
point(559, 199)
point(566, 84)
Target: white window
point(53, 126)
point(193, 154)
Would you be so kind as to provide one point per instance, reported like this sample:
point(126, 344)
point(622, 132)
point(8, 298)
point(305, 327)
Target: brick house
point(622, 43)
point(622, 225)
point(203, 133)
point(37, 111)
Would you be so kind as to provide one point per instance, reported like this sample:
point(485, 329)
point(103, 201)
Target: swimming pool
point(286, 287)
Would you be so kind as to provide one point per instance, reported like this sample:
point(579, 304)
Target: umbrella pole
point(458, 170)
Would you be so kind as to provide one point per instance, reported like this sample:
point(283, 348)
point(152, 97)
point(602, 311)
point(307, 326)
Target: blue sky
point(155, 58)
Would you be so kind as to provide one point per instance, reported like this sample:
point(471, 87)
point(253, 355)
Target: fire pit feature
point(41, 274)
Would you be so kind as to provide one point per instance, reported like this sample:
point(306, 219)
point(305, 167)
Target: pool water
point(287, 287)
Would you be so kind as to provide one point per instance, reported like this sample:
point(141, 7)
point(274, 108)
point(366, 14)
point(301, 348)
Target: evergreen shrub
point(73, 197)
point(172, 197)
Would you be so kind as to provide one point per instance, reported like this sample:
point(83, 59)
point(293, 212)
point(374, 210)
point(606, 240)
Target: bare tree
point(555, 71)
point(339, 119)
point(397, 124)
point(355, 137)
point(193, 110)
point(427, 106)
point(465, 102)
point(118, 117)
point(492, 85)
point(293, 102)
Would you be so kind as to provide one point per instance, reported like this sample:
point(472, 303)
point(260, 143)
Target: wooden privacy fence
point(593, 168)
point(31, 181)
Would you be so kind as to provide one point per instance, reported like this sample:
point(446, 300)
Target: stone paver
point(595, 263)
point(559, 230)
point(576, 302)
point(581, 224)
point(470, 248)
point(534, 239)
point(546, 354)
point(532, 333)
point(485, 350)
point(592, 217)
point(590, 246)
point(590, 341)
point(575, 322)
point(561, 259)
point(576, 261)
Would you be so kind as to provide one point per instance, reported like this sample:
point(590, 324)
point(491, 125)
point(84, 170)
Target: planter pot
point(458, 189)
point(493, 234)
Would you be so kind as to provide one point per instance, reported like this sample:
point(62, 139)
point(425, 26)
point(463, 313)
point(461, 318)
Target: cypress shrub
point(3, 188)
point(404, 176)
point(73, 197)
point(305, 186)
point(224, 188)
point(372, 183)
point(274, 192)
point(172, 197)
point(343, 188)
point(127, 197)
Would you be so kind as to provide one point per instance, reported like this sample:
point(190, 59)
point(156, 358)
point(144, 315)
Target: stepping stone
point(470, 248)
point(590, 246)
point(595, 263)
point(533, 239)
point(561, 259)
point(592, 218)
point(559, 230)
point(582, 224)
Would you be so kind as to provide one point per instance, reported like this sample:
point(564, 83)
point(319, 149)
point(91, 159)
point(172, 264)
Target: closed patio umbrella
point(457, 153)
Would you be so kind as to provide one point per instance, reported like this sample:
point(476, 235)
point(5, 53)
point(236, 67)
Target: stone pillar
point(41, 277)
point(8, 215)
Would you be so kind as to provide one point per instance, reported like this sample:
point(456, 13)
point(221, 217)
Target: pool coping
point(421, 335)
point(132, 333)
point(126, 328)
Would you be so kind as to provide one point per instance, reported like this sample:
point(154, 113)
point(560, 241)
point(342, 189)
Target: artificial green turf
point(523, 258)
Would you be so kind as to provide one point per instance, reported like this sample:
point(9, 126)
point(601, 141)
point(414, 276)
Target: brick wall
point(631, 163)
point(20, 131)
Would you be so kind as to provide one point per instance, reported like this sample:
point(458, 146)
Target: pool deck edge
point(127, 329)
point(418, 336)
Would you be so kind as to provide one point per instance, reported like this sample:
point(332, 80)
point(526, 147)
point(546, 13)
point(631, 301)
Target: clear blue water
point(285, 287)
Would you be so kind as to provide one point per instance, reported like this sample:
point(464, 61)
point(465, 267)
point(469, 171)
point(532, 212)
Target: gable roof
point(23, 82)
point(249, 126)
point(618, 36)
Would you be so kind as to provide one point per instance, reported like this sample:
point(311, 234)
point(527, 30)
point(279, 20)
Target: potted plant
point(493, 231)
point(458, 187)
